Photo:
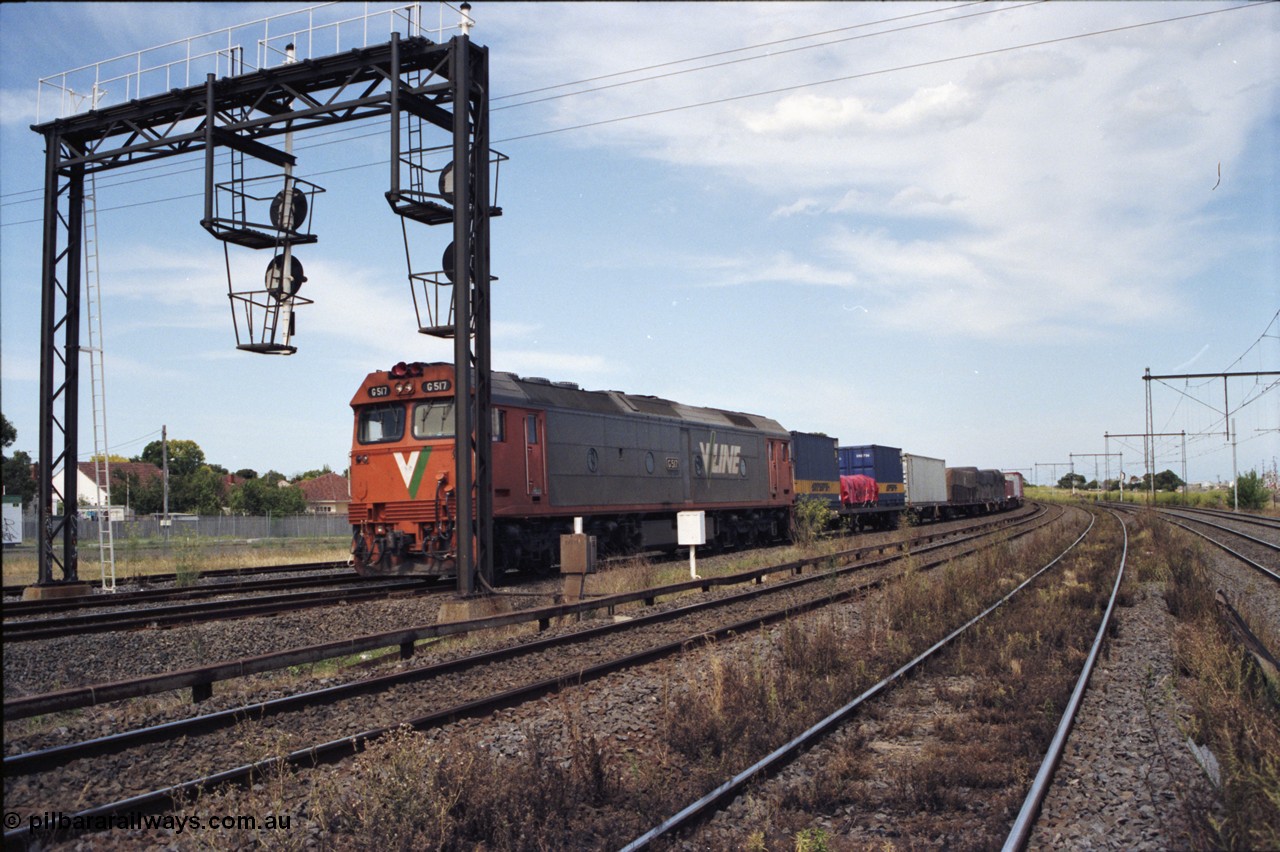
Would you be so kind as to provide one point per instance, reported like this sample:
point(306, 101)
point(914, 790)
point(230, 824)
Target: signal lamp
point(446, 183)
point(275, 277)
point(289, 217)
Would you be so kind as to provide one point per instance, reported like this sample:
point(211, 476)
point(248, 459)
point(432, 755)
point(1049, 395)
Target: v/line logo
point(412, 466)
point(720, 458)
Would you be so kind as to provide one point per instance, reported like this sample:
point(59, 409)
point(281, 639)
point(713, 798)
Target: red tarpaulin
point(858, 490)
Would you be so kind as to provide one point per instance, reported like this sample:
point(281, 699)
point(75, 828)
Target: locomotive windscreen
point(381, 423)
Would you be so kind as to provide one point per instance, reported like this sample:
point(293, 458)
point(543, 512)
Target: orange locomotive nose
point(403, 437)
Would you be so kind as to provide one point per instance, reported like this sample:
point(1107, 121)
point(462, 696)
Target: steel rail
point(26, 631)
point(1267, 544)
point(201, 678)
point(1243, 517)
point(19, 609)
point(44, 759)
point(785, 753)
point(333, 750)
point(172, 577)
point(347, 746)
point(1258, 566)
point(1021, 830)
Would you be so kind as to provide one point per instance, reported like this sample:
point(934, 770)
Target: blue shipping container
point(816, 473)
point(883, 464)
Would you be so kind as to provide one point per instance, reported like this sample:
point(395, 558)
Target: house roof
point(327, 488)
point(144, 471)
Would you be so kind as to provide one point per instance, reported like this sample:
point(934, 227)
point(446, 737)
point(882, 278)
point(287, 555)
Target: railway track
point(123, 600)
point(533, 670)
point(775, 779)
point(215, 575)
point(142, 617)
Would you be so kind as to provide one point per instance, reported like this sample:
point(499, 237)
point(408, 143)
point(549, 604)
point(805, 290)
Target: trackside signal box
point(577, 554)
point(691, 529)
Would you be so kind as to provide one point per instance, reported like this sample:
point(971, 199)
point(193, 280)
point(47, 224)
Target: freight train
point(624, 463)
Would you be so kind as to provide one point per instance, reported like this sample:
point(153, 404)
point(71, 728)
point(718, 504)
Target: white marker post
point(691, 531)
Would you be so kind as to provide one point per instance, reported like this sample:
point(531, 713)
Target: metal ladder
point(101, 463)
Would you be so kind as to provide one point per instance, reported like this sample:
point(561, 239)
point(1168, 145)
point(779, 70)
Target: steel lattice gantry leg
point(59, 363)
point(471, 277)
point(239, 111)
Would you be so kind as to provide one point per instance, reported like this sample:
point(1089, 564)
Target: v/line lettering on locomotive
point(720, 458)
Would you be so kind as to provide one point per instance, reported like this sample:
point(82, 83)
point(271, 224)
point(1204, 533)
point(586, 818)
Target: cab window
point(433, 419)
point(381, 423)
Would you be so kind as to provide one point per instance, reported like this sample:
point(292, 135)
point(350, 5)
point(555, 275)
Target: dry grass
point(564, 788)
point(183, 555)
point(1234, 711)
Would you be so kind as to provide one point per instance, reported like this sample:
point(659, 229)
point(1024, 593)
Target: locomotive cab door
point(779, 468)
point(535, 471)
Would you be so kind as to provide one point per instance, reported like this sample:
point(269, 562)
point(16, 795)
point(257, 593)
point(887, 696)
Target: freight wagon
point(816, 473)
point(925, 483)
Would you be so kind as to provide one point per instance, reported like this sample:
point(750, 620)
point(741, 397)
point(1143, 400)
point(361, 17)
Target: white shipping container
point(925, 478)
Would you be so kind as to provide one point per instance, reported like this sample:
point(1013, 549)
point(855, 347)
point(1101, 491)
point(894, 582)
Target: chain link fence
point(213, 527)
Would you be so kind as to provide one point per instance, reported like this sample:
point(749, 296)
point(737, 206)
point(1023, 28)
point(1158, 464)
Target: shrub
point(1252, 491)
point(811, 518)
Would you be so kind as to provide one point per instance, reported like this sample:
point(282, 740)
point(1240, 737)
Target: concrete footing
point(55, 590)
point(467, 609)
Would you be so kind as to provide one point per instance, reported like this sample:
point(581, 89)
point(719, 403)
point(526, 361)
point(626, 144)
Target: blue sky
point(960, 230)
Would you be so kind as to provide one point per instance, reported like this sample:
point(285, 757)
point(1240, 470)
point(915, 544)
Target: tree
point(184, 456)
point(1166, 480)
point(260, 496)
point(313, 474)
point(1251, 491)
point(199, 492)
point(18, 478)
point(15, 469)
point(111, 458)
point(247, 473)
point(1071, 480)
point(144, 499)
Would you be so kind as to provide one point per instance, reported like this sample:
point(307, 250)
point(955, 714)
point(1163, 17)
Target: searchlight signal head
point(277, 287)
point(289, 216)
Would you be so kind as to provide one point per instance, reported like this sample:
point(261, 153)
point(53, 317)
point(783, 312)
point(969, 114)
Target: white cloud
point(532, 361)
point(18, 107)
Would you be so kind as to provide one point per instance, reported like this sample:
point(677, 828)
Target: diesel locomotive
point(624, 463)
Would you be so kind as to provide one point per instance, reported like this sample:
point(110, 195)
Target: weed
point(812, 840)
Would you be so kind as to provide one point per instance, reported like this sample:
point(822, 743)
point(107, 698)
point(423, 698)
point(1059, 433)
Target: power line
point(773, 55)
point(1256, 342)
point(168, 170)
point(733, 98)
point(862, 75)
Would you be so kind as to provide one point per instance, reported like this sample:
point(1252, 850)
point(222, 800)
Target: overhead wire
point(642, 69)
point(779, 90)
